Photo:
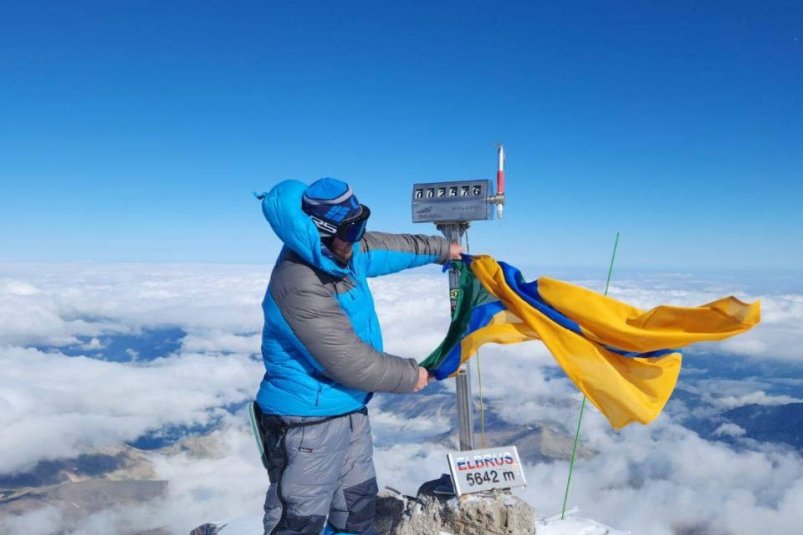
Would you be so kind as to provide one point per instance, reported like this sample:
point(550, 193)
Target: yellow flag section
point(625, 360)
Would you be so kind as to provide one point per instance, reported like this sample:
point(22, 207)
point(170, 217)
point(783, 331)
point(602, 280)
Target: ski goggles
point(352, 228)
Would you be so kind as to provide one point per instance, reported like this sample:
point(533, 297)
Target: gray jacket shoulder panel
point(306, 299)
point(291, 273)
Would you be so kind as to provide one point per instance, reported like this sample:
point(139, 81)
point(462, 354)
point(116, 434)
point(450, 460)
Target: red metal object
point(500, 172)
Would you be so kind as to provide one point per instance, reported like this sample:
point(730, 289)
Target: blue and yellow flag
point(625, 360)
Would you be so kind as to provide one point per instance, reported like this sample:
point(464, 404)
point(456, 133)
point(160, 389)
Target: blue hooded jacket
point(321, 342)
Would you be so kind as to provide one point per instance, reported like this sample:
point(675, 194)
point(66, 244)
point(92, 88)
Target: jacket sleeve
point(388, 253)
point(327, 334)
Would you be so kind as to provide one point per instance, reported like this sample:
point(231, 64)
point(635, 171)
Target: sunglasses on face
point(352, 229)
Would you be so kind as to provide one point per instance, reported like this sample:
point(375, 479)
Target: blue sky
point(136, 131)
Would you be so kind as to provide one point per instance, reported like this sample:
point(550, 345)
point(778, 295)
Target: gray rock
point(390, 508)
point(431, 512)
point(497, 514)
point(208, 529)
point(421, 517)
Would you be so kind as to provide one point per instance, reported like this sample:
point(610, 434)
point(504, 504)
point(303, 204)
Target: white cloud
point(414, 312)
point(754, 398)
point(230, 485)
point(217, 341)
point(16, 287)
point(661, 478)
point(730, 430)
point(57, 406)
point(74, 300)
point(44, 521)
point(649, 480)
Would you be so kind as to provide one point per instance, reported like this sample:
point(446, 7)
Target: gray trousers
point(319, 470)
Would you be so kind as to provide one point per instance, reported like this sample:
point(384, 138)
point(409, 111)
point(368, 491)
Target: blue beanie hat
point(329, 201)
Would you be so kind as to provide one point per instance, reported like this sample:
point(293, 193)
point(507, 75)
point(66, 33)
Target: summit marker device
point(452, 206)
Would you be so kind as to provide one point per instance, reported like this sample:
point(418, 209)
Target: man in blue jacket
point(323, 355)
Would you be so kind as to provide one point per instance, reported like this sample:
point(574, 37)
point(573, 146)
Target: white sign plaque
point(491, 468)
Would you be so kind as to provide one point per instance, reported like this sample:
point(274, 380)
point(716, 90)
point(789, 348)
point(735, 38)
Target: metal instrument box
point(448, 202)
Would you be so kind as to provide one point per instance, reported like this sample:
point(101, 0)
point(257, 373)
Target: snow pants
point(321, 474)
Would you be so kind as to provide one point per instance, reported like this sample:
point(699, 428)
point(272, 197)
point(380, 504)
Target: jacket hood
point(282, 208)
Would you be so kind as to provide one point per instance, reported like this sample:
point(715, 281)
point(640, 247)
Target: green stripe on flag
point(471, 293)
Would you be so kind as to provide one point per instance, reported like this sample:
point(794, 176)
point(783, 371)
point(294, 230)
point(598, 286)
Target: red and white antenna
point(499, 198)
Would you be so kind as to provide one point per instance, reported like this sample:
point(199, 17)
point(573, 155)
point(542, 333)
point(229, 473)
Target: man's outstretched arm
point(388, 253)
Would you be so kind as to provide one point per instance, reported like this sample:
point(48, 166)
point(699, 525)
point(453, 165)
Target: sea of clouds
point(652, 480)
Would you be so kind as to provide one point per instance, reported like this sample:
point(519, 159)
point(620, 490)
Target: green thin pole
point(610, 268)
point(583, 404)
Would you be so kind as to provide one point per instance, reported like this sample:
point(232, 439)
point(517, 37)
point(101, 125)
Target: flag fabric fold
point(625, 360)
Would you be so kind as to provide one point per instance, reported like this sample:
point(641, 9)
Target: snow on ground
point(573, 526)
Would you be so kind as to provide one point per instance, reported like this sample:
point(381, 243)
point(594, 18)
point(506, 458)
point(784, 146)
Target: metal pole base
point(464, 419)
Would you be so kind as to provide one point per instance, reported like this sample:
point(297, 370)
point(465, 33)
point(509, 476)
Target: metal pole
point(453, 232)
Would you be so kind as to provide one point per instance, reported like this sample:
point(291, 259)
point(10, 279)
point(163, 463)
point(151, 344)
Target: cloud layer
point(655, 480)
